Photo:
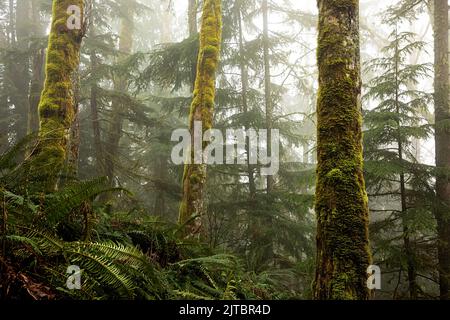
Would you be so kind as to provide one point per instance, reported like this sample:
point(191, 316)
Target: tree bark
point(202, 109)
point(341, 201)
point(442, 143)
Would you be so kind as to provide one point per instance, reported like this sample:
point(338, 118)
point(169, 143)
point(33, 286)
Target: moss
point(202, 107)
point(341, 201)
point(57, 106)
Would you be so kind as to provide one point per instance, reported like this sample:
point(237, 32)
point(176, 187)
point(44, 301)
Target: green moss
point(56, 107)
point(335, 175)
point(211, 51)
point(202, 107)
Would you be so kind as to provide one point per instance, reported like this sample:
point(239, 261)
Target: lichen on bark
point(341, 202)
point(57, 103)
point(202, 109)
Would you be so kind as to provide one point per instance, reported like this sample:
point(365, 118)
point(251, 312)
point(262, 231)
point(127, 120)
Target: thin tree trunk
point(245, 86)
point(160, 198)
point(404, 210)
point(120, 85)
point(341, 201)
point(38, 76)
point(192, 17)
point(442, 143)
point(19, 72)
point(202, 109)
point(167, 24)
point(36, 85)
point(11, 25)
point(74, 133)
point(93, 102)
point(192, 24)
point(98, 147)
point(267, 87)
point(161, 171)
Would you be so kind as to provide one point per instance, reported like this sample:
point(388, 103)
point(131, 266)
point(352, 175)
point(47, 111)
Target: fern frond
point(59, 204)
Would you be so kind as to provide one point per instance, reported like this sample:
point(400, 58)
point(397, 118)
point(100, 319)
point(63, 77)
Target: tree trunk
point(410, 257)
point(442, 143)
point(167, 23)
point(267, 89)
point(19, 72)
point(202, 109)
point(192, 24)
point(245, 86)
point(93, 102)
point(159, 207)
point(57, 106)
point(74, 133)
point(98, 147)
point(38, 76)
point(192, 17)
point(120, 85)
point(36, 85)
point(341, 201)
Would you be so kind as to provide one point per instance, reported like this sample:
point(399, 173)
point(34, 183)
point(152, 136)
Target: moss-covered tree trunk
point(442, 143)
point(57, 105)
point(202, 110)
point(341, 201)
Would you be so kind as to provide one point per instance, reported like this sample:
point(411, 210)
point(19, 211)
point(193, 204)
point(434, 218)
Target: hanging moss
point(57, 105)
point(341, 201)
point(202, 108)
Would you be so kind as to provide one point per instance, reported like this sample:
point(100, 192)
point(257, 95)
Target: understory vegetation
point(122, 254)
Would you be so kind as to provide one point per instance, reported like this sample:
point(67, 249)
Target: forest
point(224, 150)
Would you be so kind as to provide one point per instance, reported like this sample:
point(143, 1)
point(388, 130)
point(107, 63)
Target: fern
point(123, 271)
point(59, 204)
